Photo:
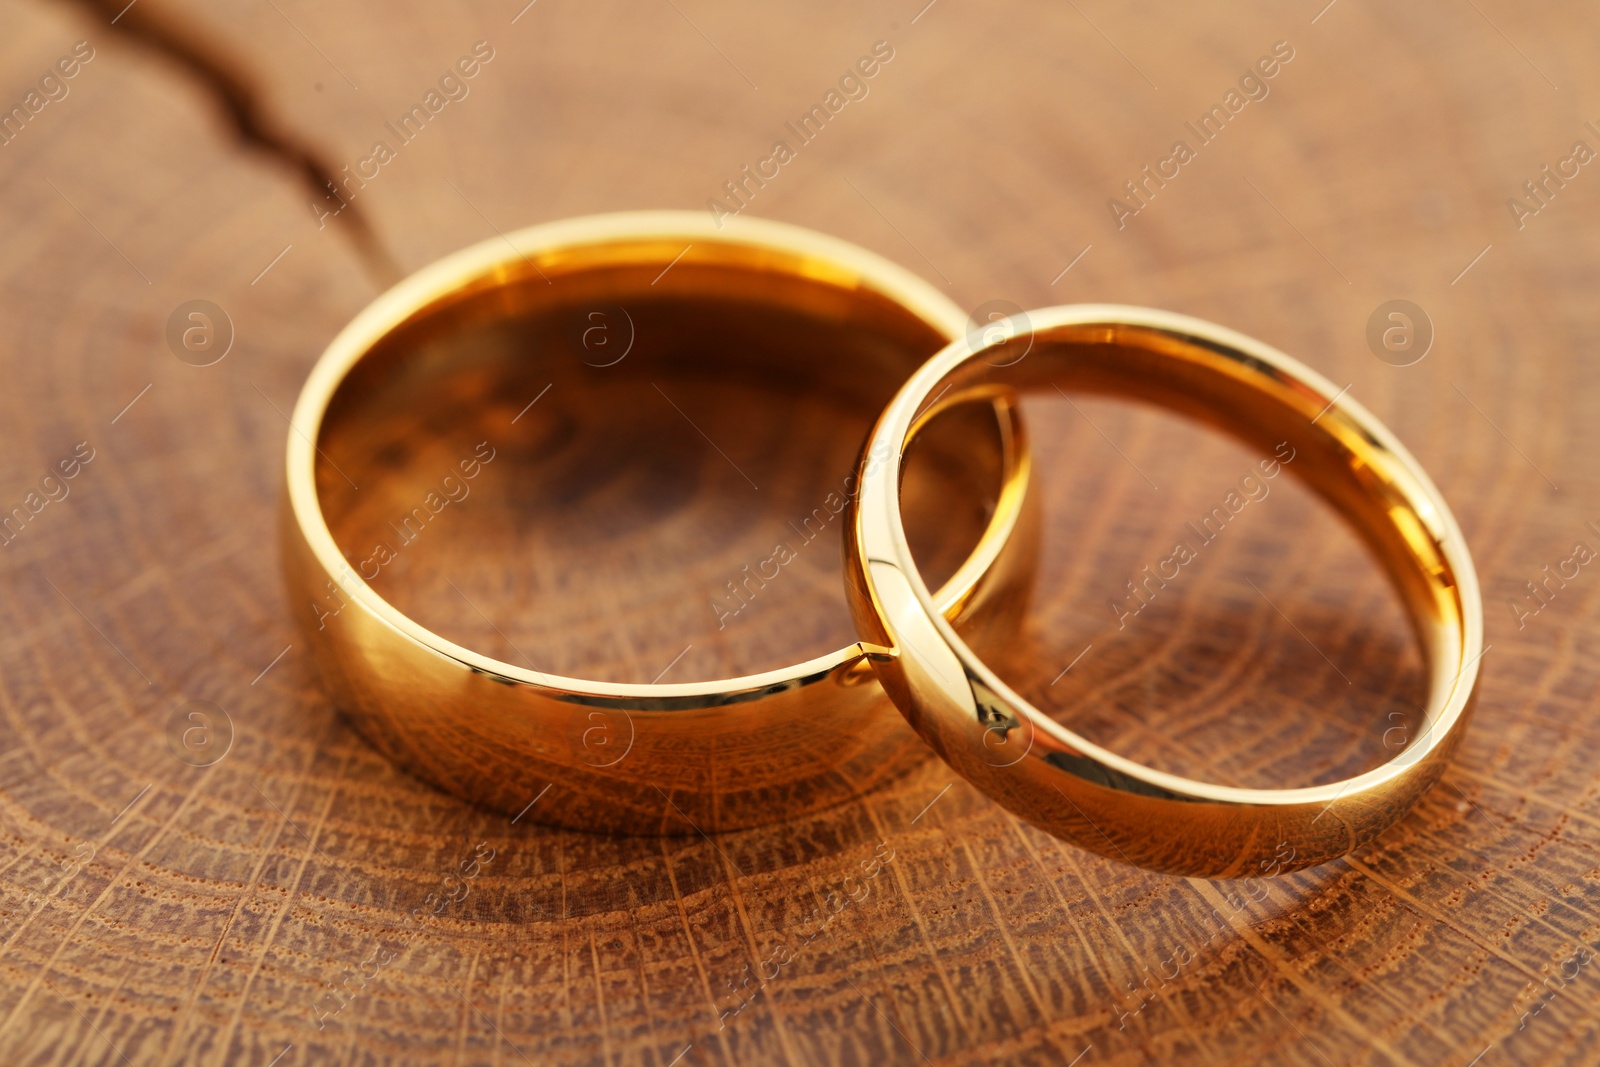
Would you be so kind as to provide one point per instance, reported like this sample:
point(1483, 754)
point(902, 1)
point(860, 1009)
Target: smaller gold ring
point(1078, 790)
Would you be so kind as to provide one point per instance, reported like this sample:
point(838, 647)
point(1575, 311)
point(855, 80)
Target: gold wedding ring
point(1080, 791)
point(633, 758)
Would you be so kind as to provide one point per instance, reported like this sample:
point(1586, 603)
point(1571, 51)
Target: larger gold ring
point(1077, 790)
point(667, 758)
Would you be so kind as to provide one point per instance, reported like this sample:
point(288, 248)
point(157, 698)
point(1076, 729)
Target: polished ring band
point(1077, 790)
point(630, 758)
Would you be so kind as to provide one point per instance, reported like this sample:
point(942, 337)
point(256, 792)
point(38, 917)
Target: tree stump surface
point(250, 911)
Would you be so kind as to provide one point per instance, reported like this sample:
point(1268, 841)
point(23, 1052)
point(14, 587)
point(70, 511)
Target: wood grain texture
point(159, 913)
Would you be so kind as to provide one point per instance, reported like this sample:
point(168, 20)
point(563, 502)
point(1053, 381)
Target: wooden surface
point(155, 912)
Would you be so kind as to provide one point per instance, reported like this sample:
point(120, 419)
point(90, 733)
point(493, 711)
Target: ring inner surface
point(626, 463)
point(1270, 415)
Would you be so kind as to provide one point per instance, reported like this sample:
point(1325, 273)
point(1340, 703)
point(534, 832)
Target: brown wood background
point(157, 913)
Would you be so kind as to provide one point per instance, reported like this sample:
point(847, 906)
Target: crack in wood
point(222, 76)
